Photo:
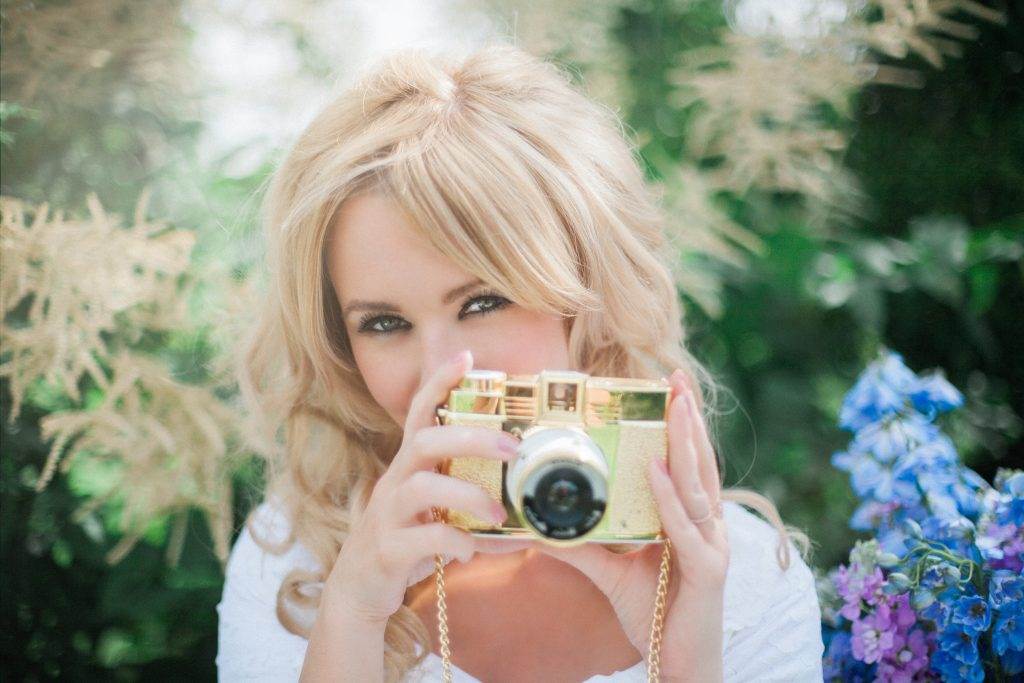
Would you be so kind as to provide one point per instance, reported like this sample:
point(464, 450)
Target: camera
point(580, 472)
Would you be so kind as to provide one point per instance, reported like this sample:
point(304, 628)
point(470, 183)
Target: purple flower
point(874, 635)
point(903, 614)
point(854, 585)
point(907, 660)
point(839, 664)
point(942, 534)
point(1002, 546)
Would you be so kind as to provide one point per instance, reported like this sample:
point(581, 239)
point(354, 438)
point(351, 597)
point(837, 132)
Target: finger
point(423, 407)
point(405, 548)
point(682, 468)
point(707, 465)
point(707, 462)
point(432, 445)
point(686, 537)
point(424, 490)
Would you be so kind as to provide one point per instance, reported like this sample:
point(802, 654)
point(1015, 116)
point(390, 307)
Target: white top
point(772, 626)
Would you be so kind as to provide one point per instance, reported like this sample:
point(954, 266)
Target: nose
point(436, 349)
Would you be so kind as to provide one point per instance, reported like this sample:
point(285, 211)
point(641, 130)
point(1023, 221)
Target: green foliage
point(933, 269)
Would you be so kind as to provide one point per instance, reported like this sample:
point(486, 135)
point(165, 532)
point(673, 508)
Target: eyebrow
point(388, 307)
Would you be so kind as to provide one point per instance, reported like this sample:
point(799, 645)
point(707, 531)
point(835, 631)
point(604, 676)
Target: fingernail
point(680, 404)
point(508, 443)
point(461, 357)
point(498, 514)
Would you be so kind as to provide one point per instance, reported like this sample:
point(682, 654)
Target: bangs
point(488, 199)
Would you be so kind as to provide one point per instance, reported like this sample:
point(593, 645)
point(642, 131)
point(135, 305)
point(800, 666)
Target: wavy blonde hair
point(520, 179)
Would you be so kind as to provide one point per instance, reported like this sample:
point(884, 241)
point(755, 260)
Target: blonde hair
point(519, 179)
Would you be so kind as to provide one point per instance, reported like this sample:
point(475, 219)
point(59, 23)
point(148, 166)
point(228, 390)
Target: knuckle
point(418, 440)
point(418, 483)
point(383, 552)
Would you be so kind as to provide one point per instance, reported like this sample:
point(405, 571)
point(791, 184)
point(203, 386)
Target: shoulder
point(252, 643)
point(771, 616)
point(251, 566)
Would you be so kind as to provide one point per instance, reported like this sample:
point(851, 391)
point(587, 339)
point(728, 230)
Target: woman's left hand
point(691, 645)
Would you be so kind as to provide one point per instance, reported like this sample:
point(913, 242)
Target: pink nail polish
point(498, 514)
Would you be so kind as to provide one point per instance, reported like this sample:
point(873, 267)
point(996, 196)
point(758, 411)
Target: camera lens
point(562, 504)
point(558, 483)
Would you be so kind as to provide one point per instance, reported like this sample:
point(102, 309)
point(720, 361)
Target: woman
point(444, 215)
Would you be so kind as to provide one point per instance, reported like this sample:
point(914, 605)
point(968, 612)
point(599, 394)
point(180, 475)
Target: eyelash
point(369, 319)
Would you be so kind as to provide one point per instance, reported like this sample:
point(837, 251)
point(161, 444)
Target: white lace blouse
point(772, 628)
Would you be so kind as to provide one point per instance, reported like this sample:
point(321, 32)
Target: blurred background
point(840, 176)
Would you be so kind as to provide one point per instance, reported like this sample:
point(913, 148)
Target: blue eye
point(380, 324)
point(483, 305)
point(383, 325)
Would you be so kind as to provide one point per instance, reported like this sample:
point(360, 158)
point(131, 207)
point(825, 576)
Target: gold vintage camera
point(580, 473)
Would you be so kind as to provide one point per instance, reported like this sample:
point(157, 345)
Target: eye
point(383, 325)
point(483, 305)
point(380, 324)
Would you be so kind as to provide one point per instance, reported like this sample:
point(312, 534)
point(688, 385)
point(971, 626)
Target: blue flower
point(933, 394)
point(893, 437)
point(971, 612)
point(870, 515)
point(1005, 589)
point(1008, 634)
point(954, 532)
point(960, 645)
point(882, 389)
point(953, 670)
point(839, 664)
point(936, 453)
point(1013, 662)
point(945, 530)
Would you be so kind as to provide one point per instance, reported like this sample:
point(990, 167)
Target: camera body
point(580, 472)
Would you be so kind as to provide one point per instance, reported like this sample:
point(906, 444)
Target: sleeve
point(772, 622)
point(252, 643)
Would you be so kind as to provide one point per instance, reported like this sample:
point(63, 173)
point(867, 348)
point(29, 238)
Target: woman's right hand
point(392, 544)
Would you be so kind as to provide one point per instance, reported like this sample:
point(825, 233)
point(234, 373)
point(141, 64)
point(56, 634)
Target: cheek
point(387, 376)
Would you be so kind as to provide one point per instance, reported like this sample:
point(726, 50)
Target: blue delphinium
point(901, 464)
point(1006, 599)
point(938, 591)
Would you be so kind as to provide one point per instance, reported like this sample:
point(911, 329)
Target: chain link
point(653, 655)
point(442, 610)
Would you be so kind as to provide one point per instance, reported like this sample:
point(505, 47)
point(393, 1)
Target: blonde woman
point(446, 214)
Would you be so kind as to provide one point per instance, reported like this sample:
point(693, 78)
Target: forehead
point(373, 248)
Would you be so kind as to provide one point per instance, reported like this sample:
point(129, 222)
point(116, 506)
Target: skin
point(374, 255)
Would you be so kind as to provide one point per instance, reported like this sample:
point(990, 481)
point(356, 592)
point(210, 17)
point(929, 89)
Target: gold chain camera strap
point(653, 668)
